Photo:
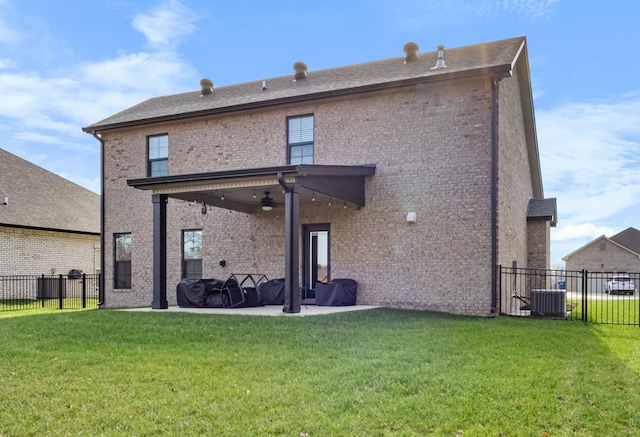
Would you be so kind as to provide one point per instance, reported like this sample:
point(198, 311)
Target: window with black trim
point(158, 152)
point(192, 254)
point(300, 139)
point(122, 261)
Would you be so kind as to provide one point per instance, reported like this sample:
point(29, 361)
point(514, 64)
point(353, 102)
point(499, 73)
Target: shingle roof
point(38, 198)
point(629, 238)
point(542, 210)
point(496, 56)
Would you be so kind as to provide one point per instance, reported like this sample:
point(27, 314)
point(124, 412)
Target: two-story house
point(416, 176)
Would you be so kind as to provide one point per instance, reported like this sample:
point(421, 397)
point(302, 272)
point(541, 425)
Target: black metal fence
point(22, 292)
point(597, 297)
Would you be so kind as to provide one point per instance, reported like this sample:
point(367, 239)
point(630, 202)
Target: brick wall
point(514, 176)
point(432, 148)
point(31, 252)
point(539, 235)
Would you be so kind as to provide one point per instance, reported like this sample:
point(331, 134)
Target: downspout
point(494, 192)
point(101, 287)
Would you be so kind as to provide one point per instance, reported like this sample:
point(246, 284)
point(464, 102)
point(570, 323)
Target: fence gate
point(597, 297)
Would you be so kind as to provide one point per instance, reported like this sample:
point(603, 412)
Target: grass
point(28, 304)
point(616, 311)
point(369, 373)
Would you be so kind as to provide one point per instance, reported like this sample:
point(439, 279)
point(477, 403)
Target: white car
point(620, 284)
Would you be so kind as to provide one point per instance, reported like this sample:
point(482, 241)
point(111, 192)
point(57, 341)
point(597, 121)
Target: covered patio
point(249, 191)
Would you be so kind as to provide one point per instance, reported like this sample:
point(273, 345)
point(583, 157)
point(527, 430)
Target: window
point(122, 261)
point(300, 140)
point(192, 254)
point(158, 155)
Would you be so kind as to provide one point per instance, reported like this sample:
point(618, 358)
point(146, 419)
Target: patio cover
point(241, 190)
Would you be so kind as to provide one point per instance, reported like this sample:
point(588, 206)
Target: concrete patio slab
point(268, 310)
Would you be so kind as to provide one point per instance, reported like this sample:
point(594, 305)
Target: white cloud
point(534, 9)
point(9, 34)
point(165, 25)
point(587, 231)
point(415, 14)
point(6, 63)
point(152, 73)
point(589, 156)
point(590, 159)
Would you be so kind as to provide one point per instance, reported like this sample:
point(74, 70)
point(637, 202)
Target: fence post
point(585, 275)
point(41, 289)
point(60, 299)
point(499, 290)
point(84, 290)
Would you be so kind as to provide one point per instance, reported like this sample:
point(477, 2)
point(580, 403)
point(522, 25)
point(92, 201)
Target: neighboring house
point(48, 225)
point(617, 254)
point(416, 176)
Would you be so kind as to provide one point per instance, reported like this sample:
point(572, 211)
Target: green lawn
point(368, 373)
point(615, 311)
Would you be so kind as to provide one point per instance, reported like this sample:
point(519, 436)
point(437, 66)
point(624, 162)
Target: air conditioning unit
point(548, 303)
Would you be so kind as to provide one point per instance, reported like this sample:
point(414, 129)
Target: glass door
point(316, 266)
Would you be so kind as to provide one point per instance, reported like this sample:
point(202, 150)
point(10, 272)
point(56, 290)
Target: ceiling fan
point(267, 203)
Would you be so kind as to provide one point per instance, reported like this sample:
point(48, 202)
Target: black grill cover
point(338, 292)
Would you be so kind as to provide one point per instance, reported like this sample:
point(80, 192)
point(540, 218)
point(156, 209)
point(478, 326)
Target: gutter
point(494, 191)
point(102, 282)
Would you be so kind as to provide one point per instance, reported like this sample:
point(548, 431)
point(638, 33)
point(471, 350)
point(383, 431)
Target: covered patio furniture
point(338, 292)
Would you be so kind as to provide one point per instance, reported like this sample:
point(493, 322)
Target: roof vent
point(410, 52)
point(440, 62)
point(207, 86)
point(301, 70)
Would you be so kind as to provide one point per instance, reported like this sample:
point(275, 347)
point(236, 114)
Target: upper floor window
point(300, 139)
point(158, 146)
point(122, 261)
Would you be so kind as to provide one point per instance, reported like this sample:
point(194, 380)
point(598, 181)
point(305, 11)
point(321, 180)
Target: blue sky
point(65, 64)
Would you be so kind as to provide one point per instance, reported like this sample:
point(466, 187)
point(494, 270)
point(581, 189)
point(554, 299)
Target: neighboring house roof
point(630, 236)
point(39, 199)
point(542, 210)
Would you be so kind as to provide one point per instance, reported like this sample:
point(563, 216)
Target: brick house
point(48, 225)
point(617, 254)
point(416, 176)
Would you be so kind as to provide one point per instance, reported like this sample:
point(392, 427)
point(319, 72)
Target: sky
point(65, 64)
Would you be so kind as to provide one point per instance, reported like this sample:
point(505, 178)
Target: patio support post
point(159, 252)
point(291, 249)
